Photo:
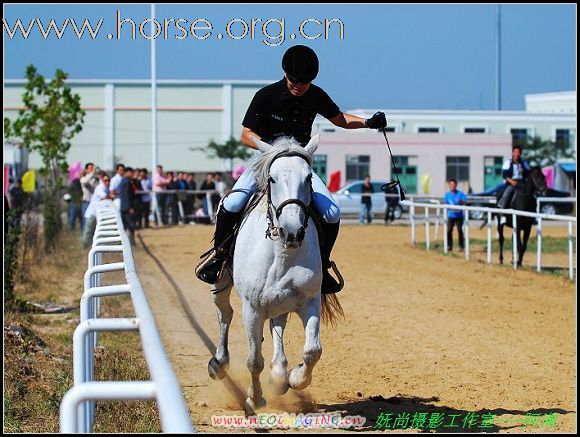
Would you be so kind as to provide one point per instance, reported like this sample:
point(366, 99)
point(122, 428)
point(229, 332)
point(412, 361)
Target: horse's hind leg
point(300, 377)
point(254, 325)
point(279, 367)
point(219, 362)
point(501, 238)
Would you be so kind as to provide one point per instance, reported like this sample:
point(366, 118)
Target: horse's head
point(284, 173)
point(538, 181)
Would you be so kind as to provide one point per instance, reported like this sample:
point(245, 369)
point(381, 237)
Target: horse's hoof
point(250, 406)
point(215, 369)
point(278, 386)
point(297, 379)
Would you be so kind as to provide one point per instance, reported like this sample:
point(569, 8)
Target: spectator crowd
point(135, 193)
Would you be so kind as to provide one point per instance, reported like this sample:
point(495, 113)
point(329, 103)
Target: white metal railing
point(539, 201)
point(514, 213)
point(77, 406)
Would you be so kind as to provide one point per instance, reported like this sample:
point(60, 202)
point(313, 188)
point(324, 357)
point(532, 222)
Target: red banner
point(334, 182)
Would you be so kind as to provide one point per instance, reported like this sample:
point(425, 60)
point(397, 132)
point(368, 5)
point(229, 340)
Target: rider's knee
point(235, 202)
point(332, 215)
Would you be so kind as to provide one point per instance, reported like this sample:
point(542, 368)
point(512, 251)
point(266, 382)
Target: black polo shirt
point(274, 112)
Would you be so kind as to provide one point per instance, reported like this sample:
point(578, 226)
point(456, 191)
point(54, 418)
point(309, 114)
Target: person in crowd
point(101, 192)
point(89, 182)
point(136, 186)
point(146, 185)
point(207, 185)
point(127, 203)
point(189, 204)
point(454, 216)
point(171, 198)
point(76, 204)
point(160, 182)
point(115, 181)
point(366, 201)
point(17, 195)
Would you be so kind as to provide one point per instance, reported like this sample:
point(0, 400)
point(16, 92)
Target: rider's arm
point(348, 121)
point(247, 135)
point(511, 181)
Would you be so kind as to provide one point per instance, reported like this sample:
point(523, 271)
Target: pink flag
point(6, 178)
point(549, 174)
point(238, 172)
point(74, 171)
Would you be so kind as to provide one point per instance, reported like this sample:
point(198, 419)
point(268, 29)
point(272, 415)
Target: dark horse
point(524, 199)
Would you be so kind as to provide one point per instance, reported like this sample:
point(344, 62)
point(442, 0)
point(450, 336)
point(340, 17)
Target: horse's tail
point(331, 309)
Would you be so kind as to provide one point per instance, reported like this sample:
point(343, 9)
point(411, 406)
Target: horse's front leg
point(523, 244)
point(500, 236)
point(219, 362)
point(254, 325)
point(279, 367)
point(300, 377)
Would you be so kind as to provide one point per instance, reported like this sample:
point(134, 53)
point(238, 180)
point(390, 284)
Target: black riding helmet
point(300, 63)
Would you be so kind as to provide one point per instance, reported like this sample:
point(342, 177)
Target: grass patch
point(38, 349)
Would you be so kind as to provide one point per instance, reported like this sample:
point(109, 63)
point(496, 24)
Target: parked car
point(546, 207)
point(348, 199)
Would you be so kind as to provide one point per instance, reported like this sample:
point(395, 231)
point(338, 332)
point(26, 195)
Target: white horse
point(276, 273)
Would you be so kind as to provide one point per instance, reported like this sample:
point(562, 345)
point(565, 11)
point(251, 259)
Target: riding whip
point(390, 185)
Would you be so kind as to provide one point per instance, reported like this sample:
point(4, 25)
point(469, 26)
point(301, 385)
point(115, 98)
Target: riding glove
point(377, 121)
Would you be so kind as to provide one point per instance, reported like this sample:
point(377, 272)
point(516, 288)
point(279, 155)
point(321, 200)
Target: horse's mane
point(281, 146)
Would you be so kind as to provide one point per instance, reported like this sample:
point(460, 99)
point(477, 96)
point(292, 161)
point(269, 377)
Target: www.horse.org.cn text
point(271, 31)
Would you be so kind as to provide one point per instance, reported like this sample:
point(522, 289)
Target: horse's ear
point(261, 145)
point(312, 145)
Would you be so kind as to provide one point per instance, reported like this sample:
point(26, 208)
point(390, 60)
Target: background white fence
point(489, 211)
point(77, 406)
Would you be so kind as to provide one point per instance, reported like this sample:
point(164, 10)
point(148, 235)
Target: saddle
point(253, 203)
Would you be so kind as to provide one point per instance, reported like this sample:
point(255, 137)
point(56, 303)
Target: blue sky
point(392, 56)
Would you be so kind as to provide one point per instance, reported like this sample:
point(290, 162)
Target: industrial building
point(429, 145)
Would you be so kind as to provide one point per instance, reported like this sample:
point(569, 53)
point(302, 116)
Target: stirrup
point(205, 260)
point(338, 275)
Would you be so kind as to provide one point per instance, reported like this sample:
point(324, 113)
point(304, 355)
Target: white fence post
point(570, 251)
point(515, 241)
point(489, 237)
point(466, 242)
point(539, 243)
point(426, 228)
point(445, 239)
point(413, 223)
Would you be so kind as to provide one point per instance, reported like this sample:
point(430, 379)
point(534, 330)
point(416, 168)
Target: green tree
point(541, 153)
point(231, 149)
point(51, 117)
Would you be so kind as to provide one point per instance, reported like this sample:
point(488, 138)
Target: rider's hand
point(377, 121)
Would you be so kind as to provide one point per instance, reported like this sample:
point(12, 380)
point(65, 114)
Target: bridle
point(273, 231)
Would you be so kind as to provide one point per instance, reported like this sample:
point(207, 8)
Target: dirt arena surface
point(424, 333)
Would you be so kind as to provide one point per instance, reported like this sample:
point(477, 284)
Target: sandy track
point(424, 333)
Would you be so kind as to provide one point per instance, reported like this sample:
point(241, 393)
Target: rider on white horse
point(286, 108)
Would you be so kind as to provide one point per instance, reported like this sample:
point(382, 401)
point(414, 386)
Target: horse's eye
point(271, 179)
point(309, 177)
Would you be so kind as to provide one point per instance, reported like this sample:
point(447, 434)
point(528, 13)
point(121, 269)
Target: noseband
point(272, 230)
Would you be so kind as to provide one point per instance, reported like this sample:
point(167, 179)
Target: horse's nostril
point(300, 234)
point(290, 238)
point(281, 232)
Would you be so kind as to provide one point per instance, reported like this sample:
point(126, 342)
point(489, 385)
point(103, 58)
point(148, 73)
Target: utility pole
point(498, 59)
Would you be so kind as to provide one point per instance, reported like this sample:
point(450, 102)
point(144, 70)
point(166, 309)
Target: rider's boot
point(223, 238)
point(329, 284)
